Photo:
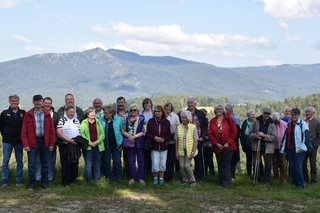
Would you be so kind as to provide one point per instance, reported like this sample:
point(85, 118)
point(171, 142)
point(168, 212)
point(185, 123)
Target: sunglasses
point(133, 110)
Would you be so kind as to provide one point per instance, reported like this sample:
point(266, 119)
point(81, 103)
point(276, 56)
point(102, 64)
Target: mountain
point(112, 73)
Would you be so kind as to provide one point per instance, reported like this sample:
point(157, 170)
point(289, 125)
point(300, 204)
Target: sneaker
point(19, 184)
point(4, 184)
point(32, 187)
point(155, 181)
point(161, 182)
point(131, 181)
point(142, 182)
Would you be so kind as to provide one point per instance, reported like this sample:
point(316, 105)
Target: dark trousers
point(44, 160)
point(249, 161)
point(69, 171)
point(147, 161)
point(224, 167)
point(199, 163)
point(295, 167)
point(115, 154)
point(171, 158)
point(126, 169)
point(234, 161)
point(312, 156)
point(265, 175)
point(279, 163)
point(208, 160)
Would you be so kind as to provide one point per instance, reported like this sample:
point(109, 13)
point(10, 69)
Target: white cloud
point(284, 25)
point(33, 49)
point(21, 38)
point(317, 45)
point(293, 39)
point(291, 8)
point(234, 54)
point(11, 3)
point(288, 38)
point(171, 38)
point(267, 61)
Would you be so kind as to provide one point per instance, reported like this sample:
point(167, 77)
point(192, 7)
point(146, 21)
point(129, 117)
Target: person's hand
point(191, 154)
point(91, 144)
point(27, 149)
point(51, 148)
point(132, 138)
point(219, 146)
point(96, 143)
point(261, 134)
point(71, 141)
point(226, 145)
point(177, 156)
point(200, 139)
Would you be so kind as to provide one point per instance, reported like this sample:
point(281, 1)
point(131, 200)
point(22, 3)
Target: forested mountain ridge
point(112, 73)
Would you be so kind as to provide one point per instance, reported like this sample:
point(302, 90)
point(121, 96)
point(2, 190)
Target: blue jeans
point(295, 167)
point(18, 151)
point(116, 157)
point(51, 165)
point(93, 159)
point(44, 159)
point(159, 159)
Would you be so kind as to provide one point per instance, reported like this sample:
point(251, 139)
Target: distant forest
point(179, 103)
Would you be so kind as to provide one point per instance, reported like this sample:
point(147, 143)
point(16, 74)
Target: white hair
point(250, 111)
point(133, 105)
point(187, 114)
point(276, 116)
point(312, 109)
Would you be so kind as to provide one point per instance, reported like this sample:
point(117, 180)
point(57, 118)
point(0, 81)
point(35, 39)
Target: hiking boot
point(131, 182)
point(193, 183)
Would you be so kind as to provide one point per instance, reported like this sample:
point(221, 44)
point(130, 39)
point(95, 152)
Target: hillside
point(109, 74)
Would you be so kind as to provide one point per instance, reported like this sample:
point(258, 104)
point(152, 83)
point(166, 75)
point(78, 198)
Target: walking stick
point(257, 164)
point(203, 164)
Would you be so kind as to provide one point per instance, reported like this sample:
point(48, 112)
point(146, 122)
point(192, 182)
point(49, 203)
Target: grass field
point(206, 196)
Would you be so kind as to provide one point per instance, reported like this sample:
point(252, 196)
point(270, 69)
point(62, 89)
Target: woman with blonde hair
point(92, 130)
point(222, 133)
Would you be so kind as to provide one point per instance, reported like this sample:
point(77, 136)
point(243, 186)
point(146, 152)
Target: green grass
point(206, 196)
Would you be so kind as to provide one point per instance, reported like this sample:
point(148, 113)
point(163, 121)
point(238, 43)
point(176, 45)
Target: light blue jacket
point(300, 143)
point(117, 126)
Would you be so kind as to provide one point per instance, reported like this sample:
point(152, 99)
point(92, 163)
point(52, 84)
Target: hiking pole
point(203, 164)
point(257, 163)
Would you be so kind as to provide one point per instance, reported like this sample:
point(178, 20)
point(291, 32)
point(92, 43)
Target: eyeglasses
point(133, 110)
point(157, 111)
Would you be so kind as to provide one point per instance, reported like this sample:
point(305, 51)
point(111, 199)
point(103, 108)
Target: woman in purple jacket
point(159, 133)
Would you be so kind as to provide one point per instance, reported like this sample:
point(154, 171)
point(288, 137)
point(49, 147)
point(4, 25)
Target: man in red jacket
point(38, 136)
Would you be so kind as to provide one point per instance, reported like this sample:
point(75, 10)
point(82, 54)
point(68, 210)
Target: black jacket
point(203, 120)
point(10, 127)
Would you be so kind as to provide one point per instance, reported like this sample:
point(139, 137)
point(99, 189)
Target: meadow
point(206, 196)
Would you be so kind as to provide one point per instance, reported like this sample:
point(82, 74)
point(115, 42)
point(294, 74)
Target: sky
point(224, 33)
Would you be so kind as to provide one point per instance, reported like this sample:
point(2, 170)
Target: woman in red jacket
point(222, 134)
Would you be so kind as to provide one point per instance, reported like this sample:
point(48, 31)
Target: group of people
point(155, 140)
point(281, 141)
